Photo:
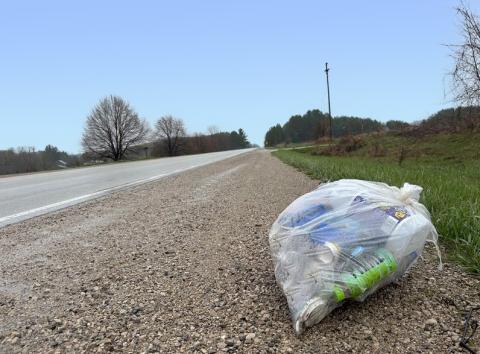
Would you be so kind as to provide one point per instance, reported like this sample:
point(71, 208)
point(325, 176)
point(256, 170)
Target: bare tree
point(212, 130)
point(171, 130)
point(113, 128)
point(466, 72)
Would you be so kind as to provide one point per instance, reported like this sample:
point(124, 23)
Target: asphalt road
point(26, 196)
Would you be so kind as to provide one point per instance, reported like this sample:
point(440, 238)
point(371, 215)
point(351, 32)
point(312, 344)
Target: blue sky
point(246, 64)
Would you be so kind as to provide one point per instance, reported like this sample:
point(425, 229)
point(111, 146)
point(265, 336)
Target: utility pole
point(329, 109)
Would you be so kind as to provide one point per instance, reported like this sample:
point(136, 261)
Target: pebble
point(430, 324)
point(249, 337)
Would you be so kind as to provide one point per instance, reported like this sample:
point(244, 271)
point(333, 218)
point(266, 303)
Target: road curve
point(26, 196)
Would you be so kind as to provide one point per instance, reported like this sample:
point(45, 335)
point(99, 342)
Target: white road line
point(58, 205)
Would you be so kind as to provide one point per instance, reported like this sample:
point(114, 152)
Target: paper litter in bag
point(345, 240)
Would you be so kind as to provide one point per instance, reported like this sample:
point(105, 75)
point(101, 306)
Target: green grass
point(292, 145)
point(451, 187)
point(455, 148)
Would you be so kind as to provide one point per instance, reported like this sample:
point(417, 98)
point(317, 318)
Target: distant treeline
point(314, 125)
point(27, 159)
point(449, 120)
point(114, 131)
point(201, 143)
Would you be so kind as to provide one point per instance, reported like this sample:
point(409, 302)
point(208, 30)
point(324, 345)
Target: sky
point(244, 64)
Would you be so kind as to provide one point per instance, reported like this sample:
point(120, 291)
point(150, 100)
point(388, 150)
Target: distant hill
point(395, 146)
point(314, 126)
point(450, 120)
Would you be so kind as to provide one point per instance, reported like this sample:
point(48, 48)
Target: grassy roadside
point(451, 192)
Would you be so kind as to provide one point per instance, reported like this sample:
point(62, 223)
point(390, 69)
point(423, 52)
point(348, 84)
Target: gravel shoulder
point(183, 265)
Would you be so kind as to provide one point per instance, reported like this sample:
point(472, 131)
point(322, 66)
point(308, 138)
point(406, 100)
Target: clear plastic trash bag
point(345, 240)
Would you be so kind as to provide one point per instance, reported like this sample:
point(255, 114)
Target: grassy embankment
point(446, 166)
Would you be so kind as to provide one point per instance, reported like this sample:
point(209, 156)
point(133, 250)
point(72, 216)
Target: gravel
point(183, 265)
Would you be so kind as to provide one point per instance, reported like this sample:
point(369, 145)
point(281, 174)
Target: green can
point(372, 269)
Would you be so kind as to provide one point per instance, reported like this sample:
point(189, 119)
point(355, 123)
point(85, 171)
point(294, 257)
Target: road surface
point(26, 196)
point(182, 265)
